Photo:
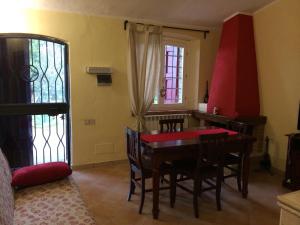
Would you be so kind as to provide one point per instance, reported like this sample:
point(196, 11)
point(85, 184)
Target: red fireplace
point(234, 86)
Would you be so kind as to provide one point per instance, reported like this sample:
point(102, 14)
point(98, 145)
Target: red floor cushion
point(40, 174)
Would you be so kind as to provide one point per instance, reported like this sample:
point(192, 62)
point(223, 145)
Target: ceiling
point(192, 13)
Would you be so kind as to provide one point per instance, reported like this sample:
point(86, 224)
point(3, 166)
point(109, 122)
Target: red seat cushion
point(40, 174)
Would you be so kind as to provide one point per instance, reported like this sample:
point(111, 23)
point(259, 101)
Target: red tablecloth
point(182, 135)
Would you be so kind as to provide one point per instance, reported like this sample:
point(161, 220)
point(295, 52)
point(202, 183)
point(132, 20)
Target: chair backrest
point(211, 150)
point(133, 145)
point(170, 125)
point(240, 127)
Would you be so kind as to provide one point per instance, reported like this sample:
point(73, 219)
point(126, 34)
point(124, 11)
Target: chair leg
point(195, 196)
point(238, 178)
point(223, 179)
point(162, 179)
point(218, 192)
point(200, 188)
point(131, 185)
point(142, 194)
point(172, 188)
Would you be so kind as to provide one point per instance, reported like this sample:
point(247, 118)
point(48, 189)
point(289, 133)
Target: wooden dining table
point(162, 147)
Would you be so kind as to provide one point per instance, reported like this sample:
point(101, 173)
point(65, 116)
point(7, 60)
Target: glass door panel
point(34, 95)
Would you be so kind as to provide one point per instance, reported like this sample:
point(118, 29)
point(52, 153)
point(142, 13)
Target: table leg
point(246, 170)
point(155, 188)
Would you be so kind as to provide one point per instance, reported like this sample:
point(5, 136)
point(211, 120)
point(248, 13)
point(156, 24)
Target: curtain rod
point(205, 32)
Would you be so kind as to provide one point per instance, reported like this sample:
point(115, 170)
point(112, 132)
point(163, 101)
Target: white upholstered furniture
point(56, 203)
point(290, 208)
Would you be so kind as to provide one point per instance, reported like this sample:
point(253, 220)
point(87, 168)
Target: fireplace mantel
point(257, 126)
point(253, 121)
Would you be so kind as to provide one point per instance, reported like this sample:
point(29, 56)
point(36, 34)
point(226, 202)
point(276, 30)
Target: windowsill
point(168, 111)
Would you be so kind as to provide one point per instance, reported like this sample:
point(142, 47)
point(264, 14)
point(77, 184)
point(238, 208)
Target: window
point(173, 76)
point(180, 73)
point(171, 88)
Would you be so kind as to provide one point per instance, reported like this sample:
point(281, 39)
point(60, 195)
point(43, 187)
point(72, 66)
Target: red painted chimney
point(234, 86)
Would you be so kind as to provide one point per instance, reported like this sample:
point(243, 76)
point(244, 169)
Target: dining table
point(167, 147)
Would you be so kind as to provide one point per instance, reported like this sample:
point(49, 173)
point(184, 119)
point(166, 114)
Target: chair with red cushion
point(233, 161)
point(208, 168)
point(140, 166)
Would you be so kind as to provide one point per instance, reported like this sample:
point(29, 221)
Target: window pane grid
point(173, 74)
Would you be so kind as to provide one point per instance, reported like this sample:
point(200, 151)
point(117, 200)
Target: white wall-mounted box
point(103, 74)
point(98, 70)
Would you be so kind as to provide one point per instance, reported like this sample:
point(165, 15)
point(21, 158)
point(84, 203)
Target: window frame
point(179, 43)
point(45, 108)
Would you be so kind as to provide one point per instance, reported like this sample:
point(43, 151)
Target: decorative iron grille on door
point(34, 99)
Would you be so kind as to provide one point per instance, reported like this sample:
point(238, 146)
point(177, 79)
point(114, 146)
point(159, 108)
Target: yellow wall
point(93, 41)
point(208, 53)
point(277, 36)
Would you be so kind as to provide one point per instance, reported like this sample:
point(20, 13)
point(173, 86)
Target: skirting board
point(254, 165)
point(93, 165)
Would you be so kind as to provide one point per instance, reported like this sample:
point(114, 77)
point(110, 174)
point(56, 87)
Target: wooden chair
point(233, 161)
point(208, 168)
point(171, 125)
point(140, 166)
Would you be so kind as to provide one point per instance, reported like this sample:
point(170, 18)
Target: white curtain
point(144, 67)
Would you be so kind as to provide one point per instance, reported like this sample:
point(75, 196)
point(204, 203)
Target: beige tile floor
point(104, 189)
